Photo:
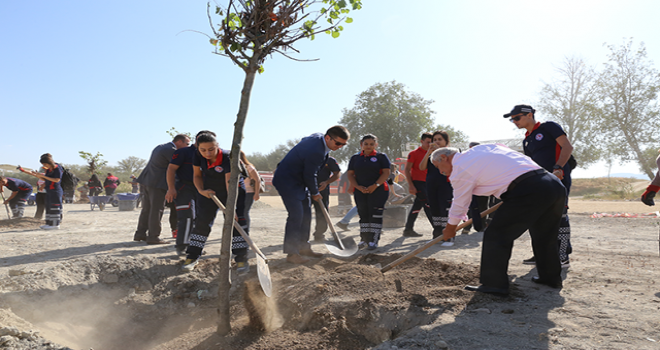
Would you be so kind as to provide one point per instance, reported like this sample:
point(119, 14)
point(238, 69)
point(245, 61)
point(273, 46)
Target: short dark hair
point(444, 135)
point(338, 131)
point(369, 137)
point(204, 132)
point(180, 137)
point(206, 137)
point(427, 135)
point(47, 158)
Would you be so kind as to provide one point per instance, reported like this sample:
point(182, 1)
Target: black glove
point(649, 194)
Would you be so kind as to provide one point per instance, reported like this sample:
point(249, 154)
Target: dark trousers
point(298, 222)
point(186, 198)
point(535, 204)
point(370, 208)
point(17, 204)
point(153, 203)
point(174, 218)
point(109, 191)
point(249, 200)
point(564, 237)
point(439, 203)
point(53, 207)
point(321, 223)
point(420, 202)
point(206, 213)
point(94, 191)
point(40, 200)
point(477, 206)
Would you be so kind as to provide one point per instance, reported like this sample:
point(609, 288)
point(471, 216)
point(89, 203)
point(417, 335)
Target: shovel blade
point(263, 272)
point(350, 247)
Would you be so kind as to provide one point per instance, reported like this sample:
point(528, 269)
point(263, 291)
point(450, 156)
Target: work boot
point(342, 226)
point(410, 233)
point(296, 259)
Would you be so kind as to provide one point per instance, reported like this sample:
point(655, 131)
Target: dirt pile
point(137, 303)
point(24, 223)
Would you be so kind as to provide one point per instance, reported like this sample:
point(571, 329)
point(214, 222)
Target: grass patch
point(603, 188)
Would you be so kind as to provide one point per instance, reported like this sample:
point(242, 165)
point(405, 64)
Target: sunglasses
point(337, 143)
point(516, 118)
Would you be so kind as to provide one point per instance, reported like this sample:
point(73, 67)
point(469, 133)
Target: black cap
point(520, 109)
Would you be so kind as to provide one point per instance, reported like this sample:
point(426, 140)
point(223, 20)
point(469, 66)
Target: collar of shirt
point(218, 160)
point(373, 153)
point(325, 144)
point(536, 126)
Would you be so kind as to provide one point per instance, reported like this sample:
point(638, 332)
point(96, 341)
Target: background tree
point(173, 132)
point(571, 100)
point(628, 88)
point(396, 116)
point(94, 162)
point(249, 31)
point(131, 165)
point(269, 161)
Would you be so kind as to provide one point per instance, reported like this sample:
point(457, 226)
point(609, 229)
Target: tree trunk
point(224, 325)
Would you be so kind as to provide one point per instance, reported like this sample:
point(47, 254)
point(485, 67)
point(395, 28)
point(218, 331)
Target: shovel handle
point(332, 227)
point(6, 206)
point(238, 227)
point(436, 240)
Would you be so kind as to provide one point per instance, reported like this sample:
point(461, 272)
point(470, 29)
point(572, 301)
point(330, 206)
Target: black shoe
point(156, 241)
point(410, 233)
point(558, 284)
point(490, 290)
point(342, 226)
point(530, 261)
point(139, 238)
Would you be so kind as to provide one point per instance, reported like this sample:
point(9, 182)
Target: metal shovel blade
point(350, 247)
point(264, 276)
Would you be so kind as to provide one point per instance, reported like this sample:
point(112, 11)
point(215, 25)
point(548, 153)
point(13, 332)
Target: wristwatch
point(377, 184)
point(557, 166)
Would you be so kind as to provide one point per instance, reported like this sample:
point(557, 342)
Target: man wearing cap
point(547, 145)
point(532, 200)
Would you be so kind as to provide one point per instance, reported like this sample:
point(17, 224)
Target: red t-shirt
point(414, 158)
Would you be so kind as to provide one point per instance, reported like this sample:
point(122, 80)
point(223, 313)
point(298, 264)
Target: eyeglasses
point(337, 143)
point(516, 118)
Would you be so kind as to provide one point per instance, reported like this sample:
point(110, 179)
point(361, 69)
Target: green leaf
point(340, 28)
point(261, 69)
point(328, 32)
point(349, 20)
point(234, 47)
point(335, 35)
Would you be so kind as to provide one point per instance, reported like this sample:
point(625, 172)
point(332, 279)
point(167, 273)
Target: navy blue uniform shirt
point(327, 169)
point(434, 178)
point(184, 157)
point(56, 173)
point(541, 144)
point(368, 168)
point(17, 185)
point(214, 173)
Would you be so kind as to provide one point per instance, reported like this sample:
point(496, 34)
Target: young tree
point(571, 100)
point(628, 89)
point(94, 161)
point(249, 31)
point(396, 116)
point(131, 165)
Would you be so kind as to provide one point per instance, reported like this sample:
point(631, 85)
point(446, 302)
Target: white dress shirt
point(484, 170)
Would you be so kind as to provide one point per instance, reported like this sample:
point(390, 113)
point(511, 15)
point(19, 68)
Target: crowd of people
point(450, 185)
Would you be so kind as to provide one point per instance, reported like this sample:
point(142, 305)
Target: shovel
point(434, 241)
point(6, 206)
point(262, 263)
point(343, 247)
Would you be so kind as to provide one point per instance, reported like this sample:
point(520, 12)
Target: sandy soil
point(89, 285)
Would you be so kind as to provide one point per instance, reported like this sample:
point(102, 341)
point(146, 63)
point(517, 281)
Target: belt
point(524, 176)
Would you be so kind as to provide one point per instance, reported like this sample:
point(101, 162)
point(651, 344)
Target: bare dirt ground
point(89, 285)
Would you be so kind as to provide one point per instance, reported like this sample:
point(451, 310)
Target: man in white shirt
point(533, 200)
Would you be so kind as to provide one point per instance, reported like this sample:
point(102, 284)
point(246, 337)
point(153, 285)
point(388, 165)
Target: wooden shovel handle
point(330, 225)
point(436, 240)
point(239, 228)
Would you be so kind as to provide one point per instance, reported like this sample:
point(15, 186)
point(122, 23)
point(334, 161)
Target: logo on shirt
point(174, 156)
point(539, 137)
point(218, 169)
point(374, 159)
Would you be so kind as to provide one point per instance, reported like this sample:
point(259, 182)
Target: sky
point(115, 77)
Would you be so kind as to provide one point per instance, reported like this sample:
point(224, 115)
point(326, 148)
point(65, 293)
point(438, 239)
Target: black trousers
point(153, 203)
point(206, 213)
point(321, 223)
point(186, 209)
point(439, 203)
point(370, 208)
point(535, 204)
point(420, 202)
point(40, 200)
